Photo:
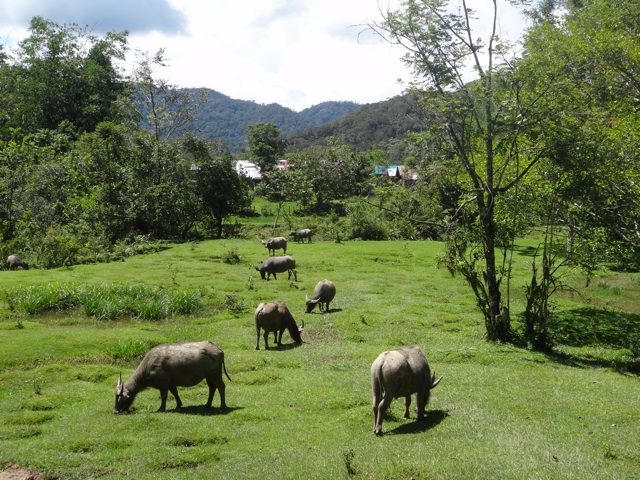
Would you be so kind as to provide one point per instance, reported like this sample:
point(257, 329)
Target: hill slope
point(375, 125)
point(227, 119)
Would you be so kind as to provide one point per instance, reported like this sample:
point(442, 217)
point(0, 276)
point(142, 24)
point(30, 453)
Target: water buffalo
point(13, 261)
point(275, 243)
point(300, 235)
point(400, 373)
point(275, 317)
point(273, 265)
point(323, 294)
point(169, 366)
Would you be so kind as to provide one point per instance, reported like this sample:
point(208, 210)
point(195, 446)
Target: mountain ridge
point(225, 118)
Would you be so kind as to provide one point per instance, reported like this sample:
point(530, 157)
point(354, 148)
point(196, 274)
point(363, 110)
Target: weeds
point(106, 301)
point(232, 257)
point(129, 350)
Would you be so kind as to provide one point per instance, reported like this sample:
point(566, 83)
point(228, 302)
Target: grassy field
point(305, 412)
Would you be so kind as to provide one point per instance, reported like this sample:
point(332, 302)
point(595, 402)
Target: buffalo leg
point(407, 404)
point(266, 340)
point(420, 406)
point(213, 384)
point(382, 410)
point(257, 338)
point(174, 392)
point(163, 399)
point(221, 388)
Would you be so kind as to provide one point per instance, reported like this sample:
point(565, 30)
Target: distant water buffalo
point(274, 265)
point(300, 235)
point(173, 365)
point(275, 243)
point(275, 317)
point(322, 295)
point(400, 373)
point(13, 262)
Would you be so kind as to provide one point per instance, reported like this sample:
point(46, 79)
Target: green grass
point(500, 411)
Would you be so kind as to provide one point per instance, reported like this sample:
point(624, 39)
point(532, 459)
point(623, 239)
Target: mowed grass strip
point(305, 412)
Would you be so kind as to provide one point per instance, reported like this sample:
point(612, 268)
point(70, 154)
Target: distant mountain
point(381, 125)
point(227, 119)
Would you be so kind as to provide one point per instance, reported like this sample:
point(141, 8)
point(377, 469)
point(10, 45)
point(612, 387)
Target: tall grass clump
point(105, 301)
point(36, 299)
point(129, 350)
point(185, 302)
point(113, 301)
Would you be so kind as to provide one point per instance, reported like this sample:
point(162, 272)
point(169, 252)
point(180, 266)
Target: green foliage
point(129, 350)
point(366, 223)
point(105, 302)
point(585, 60)
point(63, 73)
point(329, 173)
point(266, 144)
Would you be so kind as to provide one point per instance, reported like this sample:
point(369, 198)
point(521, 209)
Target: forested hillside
point(225, 118)
point(381, 125)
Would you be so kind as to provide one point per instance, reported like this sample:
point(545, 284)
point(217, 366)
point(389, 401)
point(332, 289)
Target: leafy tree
point(333, 171)
point(168, 109)
point(587, 59)
point(266, 144)
point(64, 73)
point(220, 190)
point(478, 124)
point(279, 186)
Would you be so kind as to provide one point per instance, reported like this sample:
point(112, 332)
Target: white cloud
point(297, 53)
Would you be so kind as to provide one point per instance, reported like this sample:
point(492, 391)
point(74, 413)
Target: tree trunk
point(497, 325)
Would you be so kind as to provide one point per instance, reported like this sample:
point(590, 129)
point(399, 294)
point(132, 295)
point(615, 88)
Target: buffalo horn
point(434, 382)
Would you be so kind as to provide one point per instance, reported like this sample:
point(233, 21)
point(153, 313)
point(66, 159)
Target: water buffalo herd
point(395, 373)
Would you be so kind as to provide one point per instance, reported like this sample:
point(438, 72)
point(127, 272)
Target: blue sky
point(297, 53)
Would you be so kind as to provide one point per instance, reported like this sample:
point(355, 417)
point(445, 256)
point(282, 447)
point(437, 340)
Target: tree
point(167, 109)
point(279, 186)
point(266, 144)
point(64, 73)
point(587, 59)
point(477, 123)
point(221, 191)
point(333, 171)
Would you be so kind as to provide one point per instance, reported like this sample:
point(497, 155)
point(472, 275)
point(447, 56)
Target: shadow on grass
point(526, 251)
point(332, 310)
point(285, 346)
point(204, 411)
point(602, 338)
point(432, 419)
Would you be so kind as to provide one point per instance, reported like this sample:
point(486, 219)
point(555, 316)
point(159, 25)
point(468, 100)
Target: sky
point(297, 53)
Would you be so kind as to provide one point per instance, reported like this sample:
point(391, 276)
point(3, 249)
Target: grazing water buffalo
point(322, 295)
point(273, 265)
point(276, 243)
point(400, 373)
point(169, 366)
point(13, 261)
point(275, 317)
point(300, 235)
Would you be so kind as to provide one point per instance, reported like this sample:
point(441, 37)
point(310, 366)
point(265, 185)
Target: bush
point(367, 224)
